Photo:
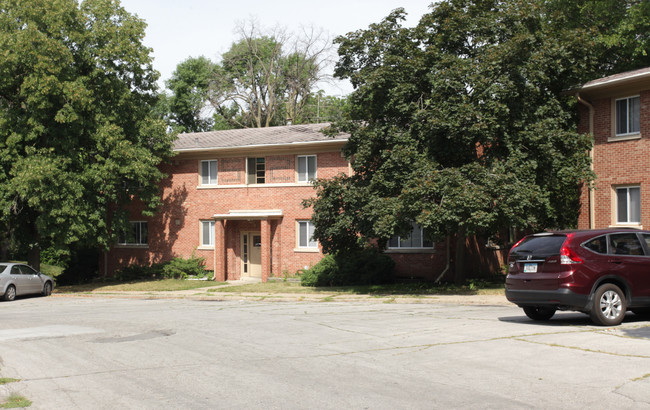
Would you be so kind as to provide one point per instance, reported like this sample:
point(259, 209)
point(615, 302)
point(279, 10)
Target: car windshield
point(540, 245)
point(2, 267)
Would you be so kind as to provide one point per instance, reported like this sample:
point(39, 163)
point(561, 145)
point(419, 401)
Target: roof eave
point(262, 146)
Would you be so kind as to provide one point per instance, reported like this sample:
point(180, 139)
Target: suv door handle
point(615, 261)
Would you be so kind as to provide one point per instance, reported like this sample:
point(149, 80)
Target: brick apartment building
point(235, 197)
point(616, 111)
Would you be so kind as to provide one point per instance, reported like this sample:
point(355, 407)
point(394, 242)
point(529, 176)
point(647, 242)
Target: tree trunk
point(459, 274)
point(4, 247)
point(34, 251)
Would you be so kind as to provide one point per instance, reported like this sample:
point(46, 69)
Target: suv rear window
point(598, 245)
point(545, 245)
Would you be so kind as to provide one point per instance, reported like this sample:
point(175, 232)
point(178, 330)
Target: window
point(207, 233)
point(415, 240)
point(628, 115)
point(256, 171)
point(306, 168)
point(138, 235)
point(628, 205)
point(306, 235)
point(209, 172)
point(625, 244)
point(598, 245)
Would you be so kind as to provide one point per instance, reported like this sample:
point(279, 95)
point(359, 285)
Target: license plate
point(530, 268)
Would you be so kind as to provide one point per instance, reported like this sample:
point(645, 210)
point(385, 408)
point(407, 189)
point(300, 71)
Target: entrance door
point(251, 255)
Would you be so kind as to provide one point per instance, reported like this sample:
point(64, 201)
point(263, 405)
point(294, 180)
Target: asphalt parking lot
point(106, 353)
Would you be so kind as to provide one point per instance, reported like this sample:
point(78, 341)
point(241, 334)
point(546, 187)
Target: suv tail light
point(568, 256)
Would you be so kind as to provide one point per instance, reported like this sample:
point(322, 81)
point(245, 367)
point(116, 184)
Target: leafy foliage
point(360, 267)
point(189, 86)
point(76, 129)
point(177, 268)
point(460, 123)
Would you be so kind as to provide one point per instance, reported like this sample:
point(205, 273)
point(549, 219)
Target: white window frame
point(212, 164)
point(310, 243)
point(628, 117)
point(209, 224)
point(123, 240)
point(423, 241)
point(304, 177)
point(628, 205)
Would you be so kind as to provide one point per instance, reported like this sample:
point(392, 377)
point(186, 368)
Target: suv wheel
point(539, 312)
point(608, 305)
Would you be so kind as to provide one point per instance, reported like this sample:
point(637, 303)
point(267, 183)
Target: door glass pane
point(625, 244)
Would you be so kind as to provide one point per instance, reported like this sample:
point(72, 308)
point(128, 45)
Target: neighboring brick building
point(235, 198)
point(616, 111)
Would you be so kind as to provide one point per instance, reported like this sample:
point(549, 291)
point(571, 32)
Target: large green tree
point(77, 138)
point(460, 123)
point(189, 86)
point(267, 78)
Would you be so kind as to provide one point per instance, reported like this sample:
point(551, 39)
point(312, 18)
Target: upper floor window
point(137, 235)
point(209, 172)
point(628, 205)
point(256, 171)
point(306, 168)
point(306, 235)
point(628, 115)
point(415, 240)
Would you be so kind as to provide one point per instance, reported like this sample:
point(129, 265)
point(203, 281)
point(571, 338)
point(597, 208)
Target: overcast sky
point(178, 29)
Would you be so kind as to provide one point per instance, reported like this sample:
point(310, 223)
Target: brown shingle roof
point(249, 137)
point(617, 78)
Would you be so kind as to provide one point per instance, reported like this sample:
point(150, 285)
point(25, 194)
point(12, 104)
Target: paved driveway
point(135, 353)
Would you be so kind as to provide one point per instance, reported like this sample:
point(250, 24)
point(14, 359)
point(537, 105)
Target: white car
point(17, 279)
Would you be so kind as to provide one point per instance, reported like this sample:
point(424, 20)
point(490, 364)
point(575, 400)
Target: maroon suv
point(600, 272)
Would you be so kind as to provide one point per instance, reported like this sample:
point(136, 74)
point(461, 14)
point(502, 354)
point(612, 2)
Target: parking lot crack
point(583, 349)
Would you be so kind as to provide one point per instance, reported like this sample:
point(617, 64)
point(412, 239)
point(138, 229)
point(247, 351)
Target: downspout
point(448, 263)
point(592, 196)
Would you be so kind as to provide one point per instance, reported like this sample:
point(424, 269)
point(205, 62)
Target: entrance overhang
point(250, 215)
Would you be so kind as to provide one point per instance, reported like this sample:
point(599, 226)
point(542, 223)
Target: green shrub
point(179, 268)
point(364, 267)
point(139, 272)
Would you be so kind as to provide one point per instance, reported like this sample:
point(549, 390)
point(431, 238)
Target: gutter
point(592, 199)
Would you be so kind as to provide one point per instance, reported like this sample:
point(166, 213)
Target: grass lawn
point(277, 287)
point(395, 289)
point(144, 286)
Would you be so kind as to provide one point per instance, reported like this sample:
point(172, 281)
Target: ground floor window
point(207, 233)
point(306, 235)
point(628, 205)
point(416, 239)
point(137, 235)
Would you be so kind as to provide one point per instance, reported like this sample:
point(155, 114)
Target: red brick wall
point(616, 163)
point(174, 231)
